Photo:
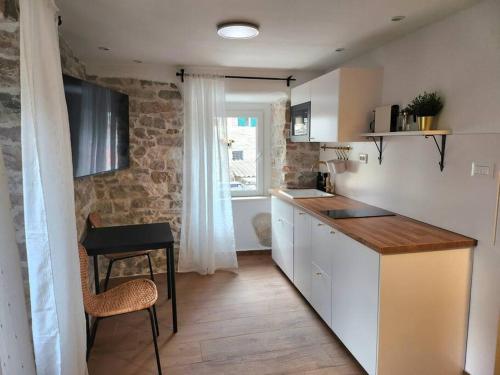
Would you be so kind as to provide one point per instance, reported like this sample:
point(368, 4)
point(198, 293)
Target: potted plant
point(426, 107)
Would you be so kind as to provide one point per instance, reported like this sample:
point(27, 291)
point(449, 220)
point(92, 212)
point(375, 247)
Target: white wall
point(244, 210)
point(460, 57)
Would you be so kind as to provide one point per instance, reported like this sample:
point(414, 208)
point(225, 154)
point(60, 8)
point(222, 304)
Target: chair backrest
point(84, 274)
point(95, 220)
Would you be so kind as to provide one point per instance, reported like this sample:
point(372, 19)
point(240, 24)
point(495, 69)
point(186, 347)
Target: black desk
point(126, 238)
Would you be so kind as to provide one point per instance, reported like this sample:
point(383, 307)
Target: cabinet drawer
point(321, 293)
point(281, 210)
point(323, 243)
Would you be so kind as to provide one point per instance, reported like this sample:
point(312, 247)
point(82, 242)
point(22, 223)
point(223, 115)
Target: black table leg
point(96, 274)
point(172, 285)
point(169, 283)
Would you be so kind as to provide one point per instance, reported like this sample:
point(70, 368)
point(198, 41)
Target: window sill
point(250, 198)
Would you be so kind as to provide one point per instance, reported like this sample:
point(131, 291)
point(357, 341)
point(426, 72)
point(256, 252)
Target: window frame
point(245, 111)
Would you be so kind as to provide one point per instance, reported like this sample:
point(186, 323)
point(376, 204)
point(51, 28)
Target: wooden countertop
point(386, 235)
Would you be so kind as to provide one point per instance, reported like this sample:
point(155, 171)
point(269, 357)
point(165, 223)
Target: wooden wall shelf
point(424, 133)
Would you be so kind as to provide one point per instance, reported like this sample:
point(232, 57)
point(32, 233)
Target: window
point(244, 131)
point(238, 155)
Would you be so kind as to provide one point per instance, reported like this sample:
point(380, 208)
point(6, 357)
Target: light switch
point(363, 158)
point(481, 169)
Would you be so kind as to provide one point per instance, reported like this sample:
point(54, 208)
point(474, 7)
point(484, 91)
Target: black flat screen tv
point(99, 127)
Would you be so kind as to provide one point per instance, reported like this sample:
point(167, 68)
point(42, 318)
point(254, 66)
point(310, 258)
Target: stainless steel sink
point(304, 193)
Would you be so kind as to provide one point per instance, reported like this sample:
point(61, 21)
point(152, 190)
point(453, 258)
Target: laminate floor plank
point(253, 322)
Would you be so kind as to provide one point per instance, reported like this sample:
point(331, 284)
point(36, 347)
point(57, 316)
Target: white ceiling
point(295, 34)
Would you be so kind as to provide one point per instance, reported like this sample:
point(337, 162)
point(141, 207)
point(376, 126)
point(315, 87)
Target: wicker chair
point(132, 296)
point(95, 221)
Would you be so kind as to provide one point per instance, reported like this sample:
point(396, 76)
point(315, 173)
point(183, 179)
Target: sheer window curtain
point(207, 235)
point(58, 324)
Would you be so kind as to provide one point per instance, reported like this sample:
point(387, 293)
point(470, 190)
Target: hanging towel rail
point(341, 151)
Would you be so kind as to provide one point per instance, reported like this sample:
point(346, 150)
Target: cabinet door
point(282, 236)
point(321, 293)
point(325, 107)
point(322, 243)
point(355, 288)
point(301, 94)
point(302, 253)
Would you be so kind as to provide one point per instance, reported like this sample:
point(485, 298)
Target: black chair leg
point(150, 267)
point(108, 274)
point(92, 337)
point(87, 330)
point(153, 330)
point(156, 321)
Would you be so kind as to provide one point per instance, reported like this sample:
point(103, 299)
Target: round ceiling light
point(237, 30)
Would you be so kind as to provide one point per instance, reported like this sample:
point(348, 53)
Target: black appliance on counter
point(301, 122)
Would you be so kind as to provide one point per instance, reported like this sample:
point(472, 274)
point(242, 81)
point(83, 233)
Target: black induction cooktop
point(357, 212)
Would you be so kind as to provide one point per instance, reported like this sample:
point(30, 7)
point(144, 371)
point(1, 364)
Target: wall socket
point(480, 168)
point(363, 158)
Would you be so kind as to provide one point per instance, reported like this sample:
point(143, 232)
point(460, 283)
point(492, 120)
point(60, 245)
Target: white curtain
point(207, 234)
point(58, 324)
point(16, 352)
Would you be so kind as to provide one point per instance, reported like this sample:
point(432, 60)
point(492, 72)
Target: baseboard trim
point(254, 252)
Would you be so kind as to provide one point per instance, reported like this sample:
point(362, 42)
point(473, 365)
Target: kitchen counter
point(387, 235)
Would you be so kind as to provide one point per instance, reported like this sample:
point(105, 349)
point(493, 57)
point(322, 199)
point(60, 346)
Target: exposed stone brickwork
point(279, 133)
point(150, 190)
point(291, 163)
point(10, 129)
point(9, 10)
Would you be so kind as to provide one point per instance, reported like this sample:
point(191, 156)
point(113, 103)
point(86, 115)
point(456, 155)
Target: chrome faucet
point(330, 187)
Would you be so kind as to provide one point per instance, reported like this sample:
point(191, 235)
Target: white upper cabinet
point(301, 94)
point(325, 107)
point(342, 103)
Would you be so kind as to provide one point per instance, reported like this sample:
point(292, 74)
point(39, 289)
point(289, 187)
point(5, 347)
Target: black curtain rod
point(288, 79)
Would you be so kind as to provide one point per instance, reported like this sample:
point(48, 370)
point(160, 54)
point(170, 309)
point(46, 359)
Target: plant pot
point(425, 122)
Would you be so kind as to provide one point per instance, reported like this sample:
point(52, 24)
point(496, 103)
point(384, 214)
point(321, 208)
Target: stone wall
point(291, 163)
point(10, 122)
point(150, 190)
point(9, 10)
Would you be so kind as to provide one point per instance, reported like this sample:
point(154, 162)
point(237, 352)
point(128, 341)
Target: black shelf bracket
point(379, 147)
point(441, 149)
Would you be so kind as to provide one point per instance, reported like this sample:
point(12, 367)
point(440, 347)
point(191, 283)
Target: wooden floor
point(254, 322)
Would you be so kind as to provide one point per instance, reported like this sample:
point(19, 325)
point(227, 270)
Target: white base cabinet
point(282, 235)
point(321, 293)
point(302, 253)
point(355, 286)
point(397, 314)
